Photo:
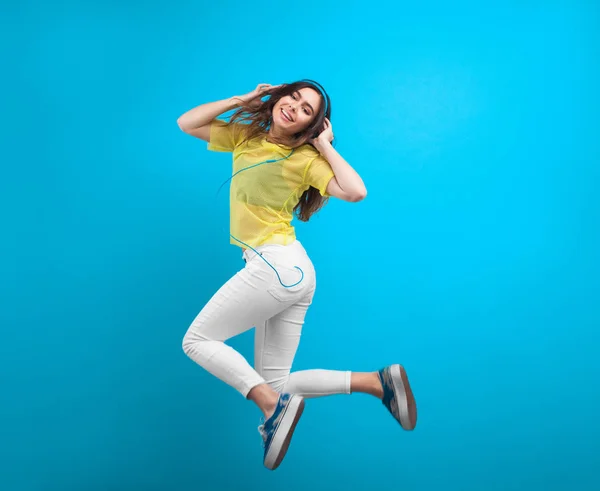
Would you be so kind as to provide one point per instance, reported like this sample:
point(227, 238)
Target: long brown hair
point(257, 114)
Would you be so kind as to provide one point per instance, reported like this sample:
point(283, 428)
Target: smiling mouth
point(286, 116)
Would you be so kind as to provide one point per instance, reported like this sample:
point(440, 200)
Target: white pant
point(255, 297)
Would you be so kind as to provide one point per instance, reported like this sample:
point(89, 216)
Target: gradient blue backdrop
point(473, 261)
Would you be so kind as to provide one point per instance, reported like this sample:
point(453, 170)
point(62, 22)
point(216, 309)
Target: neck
point(274, 136)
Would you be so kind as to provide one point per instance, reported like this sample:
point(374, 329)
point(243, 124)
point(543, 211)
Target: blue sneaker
point(277, 431)
point(398, 397)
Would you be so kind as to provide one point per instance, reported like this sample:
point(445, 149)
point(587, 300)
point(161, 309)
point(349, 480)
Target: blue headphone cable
point(270, 161)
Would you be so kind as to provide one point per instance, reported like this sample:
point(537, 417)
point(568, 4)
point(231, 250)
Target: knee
point(191, 339)
point(187, 343)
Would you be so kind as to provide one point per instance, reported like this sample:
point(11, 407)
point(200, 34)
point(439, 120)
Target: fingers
point(327, 127)
point(265, 87)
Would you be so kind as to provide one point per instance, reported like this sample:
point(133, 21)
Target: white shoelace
point(261, 430)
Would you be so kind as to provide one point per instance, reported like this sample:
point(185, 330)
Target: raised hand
point(256, 94)
point(326, 136)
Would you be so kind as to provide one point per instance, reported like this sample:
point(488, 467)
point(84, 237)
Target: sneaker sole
point(405, 399)
point(285, 430)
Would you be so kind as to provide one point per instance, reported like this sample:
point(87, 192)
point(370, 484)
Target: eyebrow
point(305, 102)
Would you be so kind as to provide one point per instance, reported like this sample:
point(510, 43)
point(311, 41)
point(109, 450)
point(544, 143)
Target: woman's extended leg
point(276, 343)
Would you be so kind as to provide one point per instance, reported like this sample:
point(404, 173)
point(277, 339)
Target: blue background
point(473, 261)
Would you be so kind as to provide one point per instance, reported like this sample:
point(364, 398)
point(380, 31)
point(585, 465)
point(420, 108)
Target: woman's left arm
point(346, 184)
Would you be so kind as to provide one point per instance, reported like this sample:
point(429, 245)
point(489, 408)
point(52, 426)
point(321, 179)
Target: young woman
point(283, 162)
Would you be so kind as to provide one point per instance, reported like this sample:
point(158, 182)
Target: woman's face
point(293, 113)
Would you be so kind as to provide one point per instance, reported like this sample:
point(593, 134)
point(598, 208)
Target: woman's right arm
point(196, 122)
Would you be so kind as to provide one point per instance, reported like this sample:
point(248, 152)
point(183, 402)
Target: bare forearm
point(205, 113)
point(346, 176)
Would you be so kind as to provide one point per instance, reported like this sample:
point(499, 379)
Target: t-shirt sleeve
point(224, 136)
point(318, 174)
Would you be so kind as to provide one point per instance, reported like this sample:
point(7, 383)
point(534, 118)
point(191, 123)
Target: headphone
point(324, 95)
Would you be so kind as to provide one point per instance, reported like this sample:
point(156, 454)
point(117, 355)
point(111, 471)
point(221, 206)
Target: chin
point(282, 126)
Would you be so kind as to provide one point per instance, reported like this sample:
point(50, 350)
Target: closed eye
point(310, 110)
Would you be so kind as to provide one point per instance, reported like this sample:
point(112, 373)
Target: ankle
point(377, 386)
point(269, 405)
point(367, 383)
point(265, 398)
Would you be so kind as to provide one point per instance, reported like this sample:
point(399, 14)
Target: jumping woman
point(283, 163)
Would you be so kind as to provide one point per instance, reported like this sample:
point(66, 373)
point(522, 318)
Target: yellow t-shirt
point(262, 199)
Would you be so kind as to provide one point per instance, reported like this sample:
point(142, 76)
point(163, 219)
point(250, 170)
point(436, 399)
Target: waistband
point(294, 247)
